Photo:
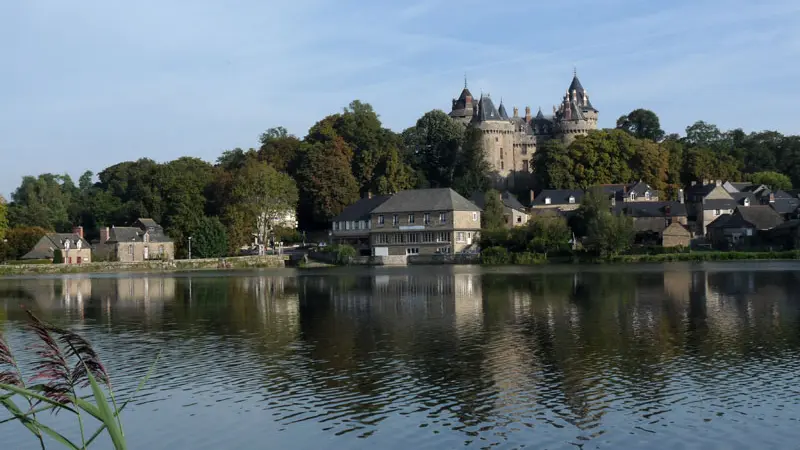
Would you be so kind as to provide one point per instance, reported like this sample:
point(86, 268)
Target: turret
point(528, 114)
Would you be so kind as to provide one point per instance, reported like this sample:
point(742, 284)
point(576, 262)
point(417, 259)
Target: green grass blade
point(35, 426)
point(108, 417)
point(29, 413)
point(141, 385)
point(31, 394)
point(57, 436)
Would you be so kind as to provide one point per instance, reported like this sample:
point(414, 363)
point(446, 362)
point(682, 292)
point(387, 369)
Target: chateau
point(510, 142)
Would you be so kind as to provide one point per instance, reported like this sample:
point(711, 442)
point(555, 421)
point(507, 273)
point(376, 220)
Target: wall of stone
point(464, 258)
point(241, 262)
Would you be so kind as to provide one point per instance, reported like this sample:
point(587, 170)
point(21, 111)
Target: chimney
point(104, 235)
point(680, 195)
point(78, 230)
point(667, 210)
point(516, 112)
point(772, 197)
point(533, 196)
point(368, 194)
point(527, 114)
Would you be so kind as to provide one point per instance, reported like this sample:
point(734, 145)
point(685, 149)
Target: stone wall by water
point(241, 262)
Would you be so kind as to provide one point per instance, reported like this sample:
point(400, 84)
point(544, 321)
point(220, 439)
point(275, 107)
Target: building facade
point(510, 141)
point(143, 241)
point(73, 247)
point(424, 222)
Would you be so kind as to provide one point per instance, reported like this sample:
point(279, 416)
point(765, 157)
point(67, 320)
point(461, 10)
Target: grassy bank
point(242, 262)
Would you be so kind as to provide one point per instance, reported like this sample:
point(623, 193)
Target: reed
point(65, 362)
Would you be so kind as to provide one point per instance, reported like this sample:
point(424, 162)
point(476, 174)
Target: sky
point(88, 84)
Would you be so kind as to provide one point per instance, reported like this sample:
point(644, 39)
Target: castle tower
point(575, 116)
point(464, 107)
point(498, 140)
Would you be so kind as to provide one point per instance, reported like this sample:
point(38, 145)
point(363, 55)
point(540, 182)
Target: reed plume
point(9, 372)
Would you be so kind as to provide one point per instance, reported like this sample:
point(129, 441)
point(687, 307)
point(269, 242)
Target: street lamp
point(190, 247)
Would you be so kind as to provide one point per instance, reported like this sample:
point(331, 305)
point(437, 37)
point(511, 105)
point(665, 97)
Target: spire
point(465, 80)
point(502, 110)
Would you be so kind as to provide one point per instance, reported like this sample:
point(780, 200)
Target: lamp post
point(190, 247)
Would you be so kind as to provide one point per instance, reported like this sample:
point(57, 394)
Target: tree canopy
point(642, 124)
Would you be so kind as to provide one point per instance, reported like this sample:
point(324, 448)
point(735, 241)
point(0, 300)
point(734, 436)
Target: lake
point(596, 357)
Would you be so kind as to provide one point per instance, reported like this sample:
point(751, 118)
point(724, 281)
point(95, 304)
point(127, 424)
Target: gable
point(718, 193)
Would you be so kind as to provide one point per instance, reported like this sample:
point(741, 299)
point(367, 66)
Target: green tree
point(395, 175)
point(493, 216)
point(472, 172)
point(280, 150)
point(136, 185)
point(552, 166)
point(702, 134)
point(236, 159)
point(325, 182)
point(58, 256)
point(258, 200)
point(21, 240)
point(434, 144)
point(642, 124)
point(609, 234)
point(775, 181)
point(42, 201)
point(595, 202)
point(3, 218)
point(209, 238)
point(705, 164)
point(548, 234)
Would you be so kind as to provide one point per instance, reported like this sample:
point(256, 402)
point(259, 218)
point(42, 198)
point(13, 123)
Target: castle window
point(525, 165)
point(501, 154)
point(497, 139)
point(501, 165)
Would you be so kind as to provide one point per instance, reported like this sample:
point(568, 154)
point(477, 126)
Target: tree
point(493, 216)
point(434, 144)
point(42, 201)
point(609, 234)
point(3, 218)
point(58, 256)
point(395, 175)
point(472, 171)
point(776, 181)
point(280, 150)
point(259, 199)
point(22, 240)
point(702, 134)
point(325, 182)
point(236, 158)
point(209, 238)
point(642, 124)
point(595, 202)
point(137, 186)
point(552, 166)
point(548, 234)
point(704, 164)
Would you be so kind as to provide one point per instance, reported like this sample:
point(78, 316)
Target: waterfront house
point(676, 235)
point(352, 226)
point(514, 212)
point(425, 221)
point(558, 200)
point(144, 240)
point(631, 192)
point(650, 218)
point(745, 227)
point(74, 248)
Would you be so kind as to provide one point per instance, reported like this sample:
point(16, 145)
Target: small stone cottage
point(143, 241)
point(74, 248)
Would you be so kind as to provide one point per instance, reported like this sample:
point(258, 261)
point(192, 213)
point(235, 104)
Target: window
point(460, 236)
point(426, 218)
point(413, 238)
point(497, 139)
point(410, 218)
point(442, 237)
point(469, 237)
point(444, 250)
point(395, 220)
point(717, 212)
point(130, 250)
point(571, 199)
point(524, 149)
point(502, 165)
point(633, 195)
point(147, 237)
point(474, 217)
point(380, 219)
point(501, 154)
point(335, 226)
point(524, 164)
point(746, 202)
point(547, 200)
point(442, 217)
point(412, 251)
point(647, 195)
point(519, 219)
point(347, 225)
point(361, 225)
point(160, 250)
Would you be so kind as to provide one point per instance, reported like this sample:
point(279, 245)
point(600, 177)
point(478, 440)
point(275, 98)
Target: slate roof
point(576, 84)
point(721, 203)
point(502, 111)
point(509, 200)
point(739, 198)
point(651, 209)
point(149, 223)
point(578, 87)
point(136, 234)
point(758, 217)
point(441, 199)
point(558, 197)
point(361, 209)
point(785, 205)
point(740, 186)
point(720, 221)
point(461, 103)
point(487, 110)
point(48, 243)
point(794, 193)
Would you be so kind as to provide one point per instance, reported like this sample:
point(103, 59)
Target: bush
point(287, 235)
point(343, 254)
point(495, 256)
point(529, 258)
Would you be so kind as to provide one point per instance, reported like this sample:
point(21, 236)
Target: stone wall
point(241, 262)
point(463, 258)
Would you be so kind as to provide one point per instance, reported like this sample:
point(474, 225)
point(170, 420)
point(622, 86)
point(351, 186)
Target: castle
point(510, 142)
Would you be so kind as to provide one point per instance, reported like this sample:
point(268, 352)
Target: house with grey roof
point(558, 200)
point(352, 226)
point(744, 227)
point(631, 192)
point(143, 240)
point(650, 219)
point(514, 213)
point(424, 221)
point(73, 247)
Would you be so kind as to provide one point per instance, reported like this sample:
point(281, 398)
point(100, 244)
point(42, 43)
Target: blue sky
point(87, 84)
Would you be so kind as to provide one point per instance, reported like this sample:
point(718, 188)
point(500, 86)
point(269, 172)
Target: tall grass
point(65, 363)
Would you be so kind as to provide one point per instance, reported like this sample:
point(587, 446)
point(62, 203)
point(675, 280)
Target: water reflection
point(672, 355)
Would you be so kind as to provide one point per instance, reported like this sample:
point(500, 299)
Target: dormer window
point(571, 199)
point(746, 202)
point(647, 195)
point(547, 200)
point(633, 196)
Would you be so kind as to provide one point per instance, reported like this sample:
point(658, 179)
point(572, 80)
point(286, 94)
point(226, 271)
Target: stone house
point(676, 235)
point(745, 227)
point(631, 192)
point(650, 219)
point(513, 211)
point(425, 222)
point(74, 248)
point(352, 226)
point(143, 241)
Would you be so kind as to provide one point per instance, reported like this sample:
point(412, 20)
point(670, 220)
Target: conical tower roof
point(487, 110)
point(502, 111)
